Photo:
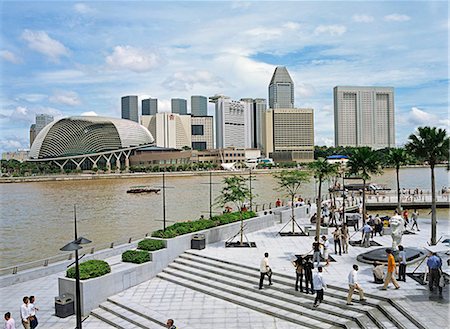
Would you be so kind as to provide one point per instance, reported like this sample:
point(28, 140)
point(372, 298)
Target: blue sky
point(67, 58)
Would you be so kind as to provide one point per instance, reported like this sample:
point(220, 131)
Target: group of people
point(27, 314)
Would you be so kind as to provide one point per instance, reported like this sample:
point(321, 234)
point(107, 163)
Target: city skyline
point(68, 58)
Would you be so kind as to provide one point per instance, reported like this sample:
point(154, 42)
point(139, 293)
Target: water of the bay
point(37, 217)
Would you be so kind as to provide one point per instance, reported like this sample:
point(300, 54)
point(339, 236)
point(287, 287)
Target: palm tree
point(290, 181)
point(430, 145)
point(398, 157)
point(322, 170)
point(364, 162)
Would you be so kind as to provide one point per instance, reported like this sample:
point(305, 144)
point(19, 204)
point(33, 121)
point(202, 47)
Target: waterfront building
point(130, 108)
point(364, 116)
point(253, 119)
point(19, 155)
point(179, 106)
point(170, 130)
point(202, 132)
point(231, 124)
point(159, 156)
point(88, 142)
point(41, 121)
point(226, 155)
point(289, 134)
point(199, 106)
point(149, 106)
point(281, 89)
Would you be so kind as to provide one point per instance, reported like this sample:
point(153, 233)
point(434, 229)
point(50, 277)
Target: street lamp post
point(75, 245)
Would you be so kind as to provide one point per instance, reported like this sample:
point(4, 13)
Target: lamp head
point(82, 240)
point(71, 246)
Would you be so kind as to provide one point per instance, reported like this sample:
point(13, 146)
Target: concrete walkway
point(199, 310)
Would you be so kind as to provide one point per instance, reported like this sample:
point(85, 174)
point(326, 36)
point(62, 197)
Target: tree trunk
point(364, 202)
point(433, 207)
point(292, 214)
point(319, 211)
point(399, 202)
point(242, 227)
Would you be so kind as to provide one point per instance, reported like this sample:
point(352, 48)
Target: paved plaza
point(194, 309)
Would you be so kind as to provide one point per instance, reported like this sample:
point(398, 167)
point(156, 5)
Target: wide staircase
point(238, 284)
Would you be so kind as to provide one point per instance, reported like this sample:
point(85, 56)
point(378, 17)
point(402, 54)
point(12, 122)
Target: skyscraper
point(253, 119)
point(364, 116)
point(179, 106)
point(230, 122)
point(130, 108)
point(149, 106)
point(281, 89)
point(199, 106)
point(41, 121)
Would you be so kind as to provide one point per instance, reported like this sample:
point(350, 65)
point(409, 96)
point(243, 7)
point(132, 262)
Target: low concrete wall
point(126, 275)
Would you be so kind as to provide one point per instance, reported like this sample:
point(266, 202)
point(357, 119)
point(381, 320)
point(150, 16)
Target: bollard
point(129, 240)
point(14, 270)
point(45, 262)
point(92, 250)
point(112, 245)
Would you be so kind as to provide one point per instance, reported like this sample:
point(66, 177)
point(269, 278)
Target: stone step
point(251, 296)
point(126, 317)
point(96, 321)
point(112, 319)
point(390, 309)
point(288, 294)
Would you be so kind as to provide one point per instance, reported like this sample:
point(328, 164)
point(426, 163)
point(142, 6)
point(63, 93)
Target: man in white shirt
point(25, 313)
point(319, 285)
point(32, 308)
point(353, 284)
point(264, 270)
point(326, 249)
point(9, 321)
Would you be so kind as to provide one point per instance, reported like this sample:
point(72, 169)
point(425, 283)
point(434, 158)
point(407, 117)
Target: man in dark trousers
point(319, 286)
point(434, 264)
point(308, 267)
point(265, 270)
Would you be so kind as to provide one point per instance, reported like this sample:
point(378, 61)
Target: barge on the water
point(143, 189)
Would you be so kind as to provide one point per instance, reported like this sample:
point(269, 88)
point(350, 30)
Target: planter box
point(125, 275)
point(323, 231)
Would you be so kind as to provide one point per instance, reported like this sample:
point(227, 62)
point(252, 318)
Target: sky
point(69, 58)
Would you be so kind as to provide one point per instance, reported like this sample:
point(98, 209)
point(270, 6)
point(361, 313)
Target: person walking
point(414, 217)
point(9, 321)
point(345, 238)
point(298, 264)
point(32, 308)
point(390, 271)
point(434, 264)
point(308, 267)
point(25, 313)
point(366, 231)
point(316, 251)
point(319, 285)
point(353, 284)
point(337, 237)
point(264, 270)
point(402, 266)
point(326, 249)
point(378, 225)
point(170, 324)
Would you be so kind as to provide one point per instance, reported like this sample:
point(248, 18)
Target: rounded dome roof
point(81, 135)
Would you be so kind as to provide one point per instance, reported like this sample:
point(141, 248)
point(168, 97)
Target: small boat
point(143, 189)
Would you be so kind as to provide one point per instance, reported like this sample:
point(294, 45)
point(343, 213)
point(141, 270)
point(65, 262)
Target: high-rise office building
point(179, 106)
point(364, 116)
point(202, 133)
point(289, 134)
point(199, 106)
point(281, 89)
point(42, 120)
point(149, 106)
point(169, 130)
point(255, 110)
point(130, 108)
point(230, 122)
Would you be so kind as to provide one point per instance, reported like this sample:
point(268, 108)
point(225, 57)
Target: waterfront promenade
point(195, 309)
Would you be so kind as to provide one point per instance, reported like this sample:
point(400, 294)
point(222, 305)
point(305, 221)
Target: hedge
point(136, 256)
point(150, 244)
point(90, 269)
point(201, 224)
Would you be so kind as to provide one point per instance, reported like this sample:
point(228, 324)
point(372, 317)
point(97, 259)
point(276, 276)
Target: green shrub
point(136, 256)
point(201, 224)
point(90, 269)
point(150, 244)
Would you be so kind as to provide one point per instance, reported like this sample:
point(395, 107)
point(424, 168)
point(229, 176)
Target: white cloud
point(396, 18)
point(363, 18)
point(11, 144)
point(265, 33)
point(292, 26)
point(333, 30)
point(28, 115)
point(186, 80)
point(304, 90)
point(65, 97)
point(420, 117)
point(82, 8)
point(240, 4)
point(89, 114)
point(133, 59)
point(31, 98)
point(44, 44)
point(10, 57)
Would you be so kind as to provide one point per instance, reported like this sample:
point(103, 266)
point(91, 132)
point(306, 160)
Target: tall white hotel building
point(364, 116)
